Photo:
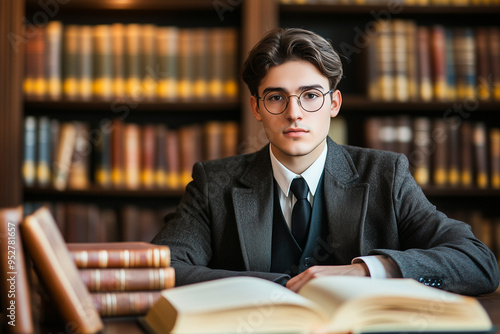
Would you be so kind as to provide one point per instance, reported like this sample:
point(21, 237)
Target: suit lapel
point(253, 205)
point(346, 204)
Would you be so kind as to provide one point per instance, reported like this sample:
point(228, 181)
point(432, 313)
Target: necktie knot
point(299, 188)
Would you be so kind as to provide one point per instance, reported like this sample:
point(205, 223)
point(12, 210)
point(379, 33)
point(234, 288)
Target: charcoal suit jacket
point(222, 226)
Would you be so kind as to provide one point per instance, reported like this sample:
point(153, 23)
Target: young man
point(361, 213)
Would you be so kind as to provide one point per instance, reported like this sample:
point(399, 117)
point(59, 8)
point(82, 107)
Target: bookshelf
point(217, 108)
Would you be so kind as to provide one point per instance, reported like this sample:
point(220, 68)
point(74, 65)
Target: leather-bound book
point(58, 273)
point(480, 145)
point(133, 254)
point(127, 279)
point(495, 157)
point(420, 156)
point(424, 64)
point(440, 154)
point(438, 45)
point(112, 304)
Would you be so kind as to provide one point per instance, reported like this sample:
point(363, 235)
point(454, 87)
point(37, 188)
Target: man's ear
point(255, 108)
point(336, 103)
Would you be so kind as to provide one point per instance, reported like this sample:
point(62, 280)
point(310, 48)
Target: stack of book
point(411, 62)
point(441, 151)
point(123, 278)
point(79, 284)
point(64, 155)
point(132, 62)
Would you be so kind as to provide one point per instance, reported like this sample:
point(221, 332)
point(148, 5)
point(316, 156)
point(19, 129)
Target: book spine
point(132, 156)
point(385, 59)
point(466, 160)
point(124, 303)
point(401, 89)
point(71, 62)
point(86, 63)
point(103, 159)
point(29, 161)
point(200, 63)
point(118, 60)
point(186, 64)
point(54, 35)
point(484, 80)
point(157, 257)
point(168, 45)
point(424, 64)
point(495, 157)
point(173, 159)
point(43, 174)
point(64, 155)
point(440, 155)
point(148, 153)
point(160, 168)
point(479, 139)
point(438, 42)
point(133, 61)
point(127, 279)
point(230, 139)
point(420, 156)
point(149, 75)
point(80, 163)
point(102, 84)
point(230, 61)
point(454, 154)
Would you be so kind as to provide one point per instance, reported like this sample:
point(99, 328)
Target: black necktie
point(301, 212)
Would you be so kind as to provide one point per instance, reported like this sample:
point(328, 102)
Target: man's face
point(296, 135)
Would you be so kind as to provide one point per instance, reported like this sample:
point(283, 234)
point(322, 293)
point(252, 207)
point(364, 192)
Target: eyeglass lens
point(310, 100)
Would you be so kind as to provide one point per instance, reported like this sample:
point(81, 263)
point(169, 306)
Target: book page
point(231, 293)
point(356, 303)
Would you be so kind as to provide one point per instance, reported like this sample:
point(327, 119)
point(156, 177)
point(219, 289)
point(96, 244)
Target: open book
point(333, 304)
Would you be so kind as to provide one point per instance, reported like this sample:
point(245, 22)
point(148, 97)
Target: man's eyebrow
point(301, 88)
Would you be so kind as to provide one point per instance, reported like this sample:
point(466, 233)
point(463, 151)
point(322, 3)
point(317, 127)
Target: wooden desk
point(490, 302)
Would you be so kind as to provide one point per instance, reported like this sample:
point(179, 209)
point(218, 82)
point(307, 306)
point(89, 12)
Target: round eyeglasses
point(310, 100)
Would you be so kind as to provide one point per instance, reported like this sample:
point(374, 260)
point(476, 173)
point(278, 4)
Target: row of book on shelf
point(450, 3)
point(442, 152)
point(139, 61)
point(121, 155)
point(410, 62)
point(84, 222)
point(76, 283)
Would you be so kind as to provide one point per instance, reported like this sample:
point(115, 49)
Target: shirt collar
point(284, 176)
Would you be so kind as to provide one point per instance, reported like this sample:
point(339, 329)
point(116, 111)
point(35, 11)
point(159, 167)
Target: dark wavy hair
point(281, 45)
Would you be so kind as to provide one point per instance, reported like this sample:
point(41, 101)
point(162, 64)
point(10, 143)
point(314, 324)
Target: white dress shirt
point(284, 178)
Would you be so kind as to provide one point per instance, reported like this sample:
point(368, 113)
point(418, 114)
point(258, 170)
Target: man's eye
point(274, 97)
point(310, 95)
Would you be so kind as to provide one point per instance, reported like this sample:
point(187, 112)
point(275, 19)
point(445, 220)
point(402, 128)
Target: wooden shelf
point(154, 105)
point(434, 191)
point(96, 192)
point(360, 102)
point(397, 9)
point(130, 5)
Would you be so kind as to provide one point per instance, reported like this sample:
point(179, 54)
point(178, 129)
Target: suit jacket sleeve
point(435, 248)
point(193, 230)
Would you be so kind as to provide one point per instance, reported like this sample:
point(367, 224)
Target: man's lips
point(294, 132)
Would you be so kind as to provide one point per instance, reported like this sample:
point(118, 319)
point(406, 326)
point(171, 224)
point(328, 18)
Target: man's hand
point(357, 269)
